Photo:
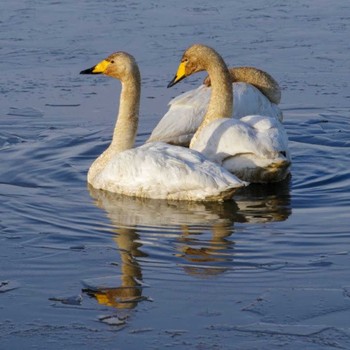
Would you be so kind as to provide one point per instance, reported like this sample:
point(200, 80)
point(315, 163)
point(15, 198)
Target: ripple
point(25, 112)
point(214, 271)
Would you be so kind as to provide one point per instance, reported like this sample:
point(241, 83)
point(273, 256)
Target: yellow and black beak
point(100, 68)
point(180, 74)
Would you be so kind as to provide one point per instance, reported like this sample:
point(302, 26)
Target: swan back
point(161, 171)
point(254, 148)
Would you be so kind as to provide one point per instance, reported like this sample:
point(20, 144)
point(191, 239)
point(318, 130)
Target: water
point(80, 269)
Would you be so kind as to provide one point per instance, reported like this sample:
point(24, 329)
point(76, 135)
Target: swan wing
point(183, 118)
point(248, 100)
point(187, 111)
point(161, 171)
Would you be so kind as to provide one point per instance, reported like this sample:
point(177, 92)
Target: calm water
point(81, 269)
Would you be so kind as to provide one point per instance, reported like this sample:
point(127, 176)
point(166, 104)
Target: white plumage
point(253, 147)
point(154, 170)
point(186, 112)
point(162, 171)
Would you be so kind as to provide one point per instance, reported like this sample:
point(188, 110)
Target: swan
point(255, 147)
point(154, 170)
point(254, 92)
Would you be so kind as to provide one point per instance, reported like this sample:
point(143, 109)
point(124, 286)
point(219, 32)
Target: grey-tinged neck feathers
point(124, 68)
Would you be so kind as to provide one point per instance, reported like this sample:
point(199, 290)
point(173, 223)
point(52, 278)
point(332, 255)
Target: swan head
point(119, 65)
point(195, 59)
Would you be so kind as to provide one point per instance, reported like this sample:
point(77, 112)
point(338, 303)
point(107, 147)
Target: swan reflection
point(129, 293)
point(202, 234)
point(265, 203)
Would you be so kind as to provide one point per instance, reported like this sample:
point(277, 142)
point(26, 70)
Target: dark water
point(84, 270)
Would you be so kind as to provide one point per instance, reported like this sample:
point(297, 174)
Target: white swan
point(155, 170)
point(254, 92)
point(254, 148)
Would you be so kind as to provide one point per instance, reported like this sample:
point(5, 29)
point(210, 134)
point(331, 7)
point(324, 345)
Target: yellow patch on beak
point(180, 74)
point(181, 71)
point(101, 67)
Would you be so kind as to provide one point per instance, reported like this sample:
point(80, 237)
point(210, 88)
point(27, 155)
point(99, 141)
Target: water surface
point(84, 269)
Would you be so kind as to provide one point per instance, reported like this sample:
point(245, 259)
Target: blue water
point(82, 269)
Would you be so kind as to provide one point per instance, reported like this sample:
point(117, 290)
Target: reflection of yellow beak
point(98, 69)
point(120, 298)
point(180, 74)
point(103, 299)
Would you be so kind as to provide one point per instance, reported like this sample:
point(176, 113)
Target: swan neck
point(221, 98)
point(126, 126)
point(260, 79)
point(127, 120)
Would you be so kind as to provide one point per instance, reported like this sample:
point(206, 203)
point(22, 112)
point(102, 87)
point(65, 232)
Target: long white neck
point(126, 125)
point(128, 116)
point(221, 99)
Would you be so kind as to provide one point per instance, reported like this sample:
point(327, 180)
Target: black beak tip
point(173, 82)
point(88, 71)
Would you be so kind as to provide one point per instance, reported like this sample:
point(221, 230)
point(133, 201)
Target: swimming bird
point(154, 170)
point(255, 147)
point(254, 92)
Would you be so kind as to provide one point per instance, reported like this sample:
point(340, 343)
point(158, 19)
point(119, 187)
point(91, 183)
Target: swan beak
point(98, 69)
point(180, 74)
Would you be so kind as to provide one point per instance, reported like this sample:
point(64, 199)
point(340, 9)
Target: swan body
point(186, 112)
point(260, 152)
point(161, 171)
point(255, 147)
point(155, 170)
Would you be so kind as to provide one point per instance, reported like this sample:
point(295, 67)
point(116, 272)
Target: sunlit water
point(83, 269)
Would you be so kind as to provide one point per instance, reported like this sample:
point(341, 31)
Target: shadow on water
point(132, 218)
